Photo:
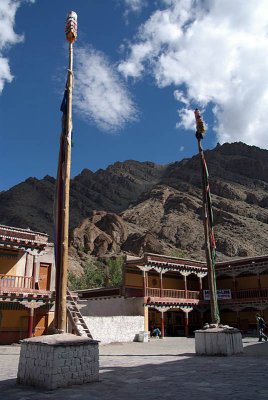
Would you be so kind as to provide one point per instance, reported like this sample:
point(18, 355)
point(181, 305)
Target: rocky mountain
point(132, 207)
point(30, 203)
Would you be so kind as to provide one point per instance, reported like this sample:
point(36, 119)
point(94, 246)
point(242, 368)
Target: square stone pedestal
point(218, 342)
point(60, 360)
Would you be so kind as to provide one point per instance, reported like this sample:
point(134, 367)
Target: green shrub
point(115, 270)
point(99, 274)
point(93, 277)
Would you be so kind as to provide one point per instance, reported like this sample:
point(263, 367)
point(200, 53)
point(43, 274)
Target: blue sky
point(141, 67)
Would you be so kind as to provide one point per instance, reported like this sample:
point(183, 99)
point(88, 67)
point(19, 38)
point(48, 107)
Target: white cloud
point(179, 96)
point(187, 119)
point(8, 37)
point(135, 5)
point(219, 53)
point(99, 94)
point(181, 148)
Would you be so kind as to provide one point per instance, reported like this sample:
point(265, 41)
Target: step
point(82, 324)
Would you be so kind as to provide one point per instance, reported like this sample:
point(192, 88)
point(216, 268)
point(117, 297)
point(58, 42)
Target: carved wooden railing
point(153, 292)
point(173, 293)
point(250, 293)
point(194, 295)
point(15, 282)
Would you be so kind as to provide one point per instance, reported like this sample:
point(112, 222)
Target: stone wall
point(56, 361)
point(115, 329)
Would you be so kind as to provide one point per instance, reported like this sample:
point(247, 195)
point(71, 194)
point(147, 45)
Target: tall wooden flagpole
point(65, 166)
point(208, 223)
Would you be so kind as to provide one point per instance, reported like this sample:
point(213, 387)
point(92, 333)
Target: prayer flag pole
point(208, 222)
point(63, 186)
point(214, 339)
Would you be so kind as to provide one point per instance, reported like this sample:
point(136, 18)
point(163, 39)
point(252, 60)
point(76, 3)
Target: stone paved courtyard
point(160, 369)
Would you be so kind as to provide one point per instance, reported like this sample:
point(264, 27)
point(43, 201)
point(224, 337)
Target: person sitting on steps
point(156, 332)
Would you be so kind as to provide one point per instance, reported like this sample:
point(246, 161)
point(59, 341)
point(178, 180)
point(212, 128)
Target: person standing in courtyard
point(261, 326)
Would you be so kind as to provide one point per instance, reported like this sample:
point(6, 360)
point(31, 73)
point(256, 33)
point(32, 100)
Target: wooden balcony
point(8, 282)
point(173, 293)
point(247, 294)
point(157, 295)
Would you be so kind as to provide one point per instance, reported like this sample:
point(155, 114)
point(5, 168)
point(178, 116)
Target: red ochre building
point(175, 292)
point(27, 274)
point(166, 292)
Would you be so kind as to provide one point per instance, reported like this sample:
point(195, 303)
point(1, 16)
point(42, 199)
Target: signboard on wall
point(222, 294)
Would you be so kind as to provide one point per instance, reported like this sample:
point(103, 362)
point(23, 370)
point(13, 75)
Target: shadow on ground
point(258, 349)
point(186, 377)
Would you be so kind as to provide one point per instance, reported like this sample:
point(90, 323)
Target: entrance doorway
point(44, 276)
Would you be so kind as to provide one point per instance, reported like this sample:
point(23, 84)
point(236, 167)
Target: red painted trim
point(30, 322)
point(162, 325)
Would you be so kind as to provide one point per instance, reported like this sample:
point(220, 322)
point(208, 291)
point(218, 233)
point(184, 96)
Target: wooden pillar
point(146, 318)
point(162, 325)
point(30, 322)
point(161, 284)
point(234, 287)
point(162, 310)
point(144, 283)
point(34, 272)
point(186, 319)
point(200, 276)
point(185, 286)
point(259, 284)
point(200, 284)
point(26, 270)
point(185, 274)
point(186, 324)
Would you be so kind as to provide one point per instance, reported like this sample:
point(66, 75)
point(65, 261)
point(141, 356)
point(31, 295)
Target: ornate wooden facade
point(27, 274)
point(248, 282)
point(175, 291)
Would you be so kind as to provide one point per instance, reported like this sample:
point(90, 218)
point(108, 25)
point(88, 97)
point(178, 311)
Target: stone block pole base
point(218, 342)
point(57, 361)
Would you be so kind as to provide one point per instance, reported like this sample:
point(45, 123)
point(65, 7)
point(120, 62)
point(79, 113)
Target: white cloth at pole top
point(72, 15)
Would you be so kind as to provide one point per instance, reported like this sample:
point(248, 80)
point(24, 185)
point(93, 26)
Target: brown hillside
point(145, 207)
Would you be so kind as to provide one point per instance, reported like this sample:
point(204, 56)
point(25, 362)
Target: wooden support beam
point(161, 284)
point(162, 325)
point(186, 324)
point(30, 322)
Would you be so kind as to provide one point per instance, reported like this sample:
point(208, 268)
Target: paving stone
point(130, 371)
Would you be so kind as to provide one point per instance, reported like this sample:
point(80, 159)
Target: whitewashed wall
point(111, 306)
point(115, 329)
point(47, 257)
point(114, 319)
point(20, 265)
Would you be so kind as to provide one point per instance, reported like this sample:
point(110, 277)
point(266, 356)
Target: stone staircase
point(75, 317)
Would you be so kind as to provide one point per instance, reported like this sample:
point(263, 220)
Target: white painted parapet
point(224, 341)
point(115, 329)
point(57, 361)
